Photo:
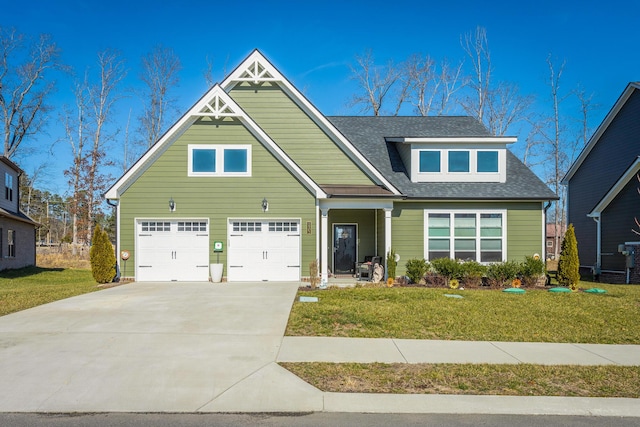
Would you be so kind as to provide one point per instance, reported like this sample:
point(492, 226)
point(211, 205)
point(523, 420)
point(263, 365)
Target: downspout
point(115, 204)
point(544, 243)
point(596, 218)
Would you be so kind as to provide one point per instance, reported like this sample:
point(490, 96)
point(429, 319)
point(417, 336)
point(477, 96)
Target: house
point(602, 186)
point(554, 239)
point(17, 230)
point(254, 169)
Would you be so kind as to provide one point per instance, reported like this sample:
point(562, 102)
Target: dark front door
point(344, 249)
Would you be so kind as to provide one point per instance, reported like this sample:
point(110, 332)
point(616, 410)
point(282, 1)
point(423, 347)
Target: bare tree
point(376, 83)
point(88, 136)
point(209, 71)
point(557, 154)
point(476, 46)
point(498, 105)
point(587, 105)
point(101, 98)
point(25, 85)
point(77, 138)
point(160, 69)
point(505, 107)
point(431, 87)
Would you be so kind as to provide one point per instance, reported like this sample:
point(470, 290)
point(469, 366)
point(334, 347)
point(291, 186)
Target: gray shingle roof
point(368, 135)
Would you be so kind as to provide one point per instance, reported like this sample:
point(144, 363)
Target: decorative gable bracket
point(217, 107)
point(255, 72)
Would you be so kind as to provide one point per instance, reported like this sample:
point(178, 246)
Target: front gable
point(215, 108)
point(306, 135)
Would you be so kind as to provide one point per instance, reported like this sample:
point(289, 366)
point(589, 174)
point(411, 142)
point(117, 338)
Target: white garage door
point(263, 250)
point(172, 250)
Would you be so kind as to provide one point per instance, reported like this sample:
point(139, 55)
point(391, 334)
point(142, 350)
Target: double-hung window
point(219, 160)
point(8, 187)
point(11, 243)
point(465, 235)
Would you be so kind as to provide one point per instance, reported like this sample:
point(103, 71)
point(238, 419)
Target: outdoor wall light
point(265, 205)
point(172, 205)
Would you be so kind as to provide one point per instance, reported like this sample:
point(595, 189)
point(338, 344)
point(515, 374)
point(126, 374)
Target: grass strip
point(481, 315)
point(472, 379)
point(29, 287)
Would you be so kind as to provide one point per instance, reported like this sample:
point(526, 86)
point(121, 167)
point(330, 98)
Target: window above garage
point(219, 160)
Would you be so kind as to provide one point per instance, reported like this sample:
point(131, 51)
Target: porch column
point(324, 242)
point(387, 237)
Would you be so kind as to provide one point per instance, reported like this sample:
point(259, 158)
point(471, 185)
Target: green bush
point(501, 274)
point(471, 273)
point(102, 257)
point(391, 264)
point(569, 264)
point(447, 267)
point(416, 269)
point(532, 270)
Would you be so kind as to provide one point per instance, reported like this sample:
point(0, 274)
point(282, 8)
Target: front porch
point(352, 231)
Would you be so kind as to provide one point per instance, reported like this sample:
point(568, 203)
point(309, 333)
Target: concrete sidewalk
point(388, 350)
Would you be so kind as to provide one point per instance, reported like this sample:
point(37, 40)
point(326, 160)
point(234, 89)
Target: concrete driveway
point(150, 347)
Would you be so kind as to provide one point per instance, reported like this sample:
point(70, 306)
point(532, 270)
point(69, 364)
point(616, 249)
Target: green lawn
point(482, 379)
point(29, 287)
point(427, 313)
point(481, 315)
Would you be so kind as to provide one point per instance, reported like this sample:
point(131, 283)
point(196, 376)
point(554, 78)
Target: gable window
point(11, 244)
point(8, 186)
point(429, 161)
point(478, 236)
point(203, 160)
point(458, 161)
point(219, 160)
point(487, 161)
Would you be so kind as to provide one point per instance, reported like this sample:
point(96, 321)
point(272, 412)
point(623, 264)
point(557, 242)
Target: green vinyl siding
point(298, 135)
point(524, 227)
point(525, 233)
point(217, 198)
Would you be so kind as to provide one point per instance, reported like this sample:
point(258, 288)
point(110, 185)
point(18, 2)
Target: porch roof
point(338, 190)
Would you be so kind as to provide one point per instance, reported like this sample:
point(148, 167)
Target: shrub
point(391, 264)
point(435, 280)
point(501, 274)
point(569, 264)
point(314, 277)
point(471, 273)
point(533, 271)
point(416, 269)
point(447, 267)
point(101, 256)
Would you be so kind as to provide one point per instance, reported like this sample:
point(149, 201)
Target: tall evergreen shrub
point(391, 264)
point(569, 264)
point(101, 256)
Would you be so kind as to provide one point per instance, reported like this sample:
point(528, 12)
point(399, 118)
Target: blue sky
point(312, 44)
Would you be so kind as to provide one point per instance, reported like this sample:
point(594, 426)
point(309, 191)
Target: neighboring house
point(255, 166)
point(602, 185)
point(17, 230)
point(554, 239)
